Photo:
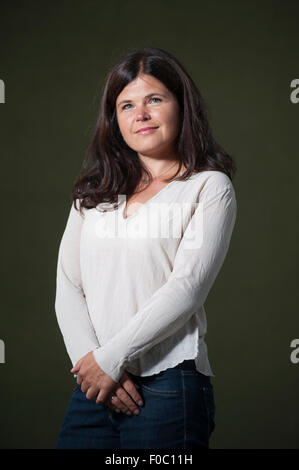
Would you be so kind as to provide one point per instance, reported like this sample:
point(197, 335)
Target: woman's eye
point(124, 107)
point(156, 99)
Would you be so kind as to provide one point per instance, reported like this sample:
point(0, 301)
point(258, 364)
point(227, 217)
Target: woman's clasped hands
point(94, 382)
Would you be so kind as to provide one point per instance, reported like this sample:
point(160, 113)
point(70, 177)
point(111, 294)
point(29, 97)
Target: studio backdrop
point(243, 56)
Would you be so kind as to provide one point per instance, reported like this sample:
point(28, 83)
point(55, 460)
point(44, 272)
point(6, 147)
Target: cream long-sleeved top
point(132, 290)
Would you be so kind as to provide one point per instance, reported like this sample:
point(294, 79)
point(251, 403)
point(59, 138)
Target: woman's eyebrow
point(147, 96)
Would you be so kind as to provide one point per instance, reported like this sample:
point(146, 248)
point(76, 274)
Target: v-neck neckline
point(125, 219)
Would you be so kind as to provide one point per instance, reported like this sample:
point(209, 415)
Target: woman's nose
point(142, 113)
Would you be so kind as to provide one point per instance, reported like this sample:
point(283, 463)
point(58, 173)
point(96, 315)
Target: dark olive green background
point(243, 57)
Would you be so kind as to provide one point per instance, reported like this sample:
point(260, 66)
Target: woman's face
point(135, 110)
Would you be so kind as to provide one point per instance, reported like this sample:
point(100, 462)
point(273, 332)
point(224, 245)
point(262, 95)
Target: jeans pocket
point(208, 392)
point(159, 391)
point(167, 382)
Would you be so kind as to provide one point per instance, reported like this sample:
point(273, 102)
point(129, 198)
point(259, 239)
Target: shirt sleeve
point(70, 304)
point(199, 257)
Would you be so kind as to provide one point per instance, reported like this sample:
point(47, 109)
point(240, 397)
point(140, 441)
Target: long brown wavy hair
point(110, 167)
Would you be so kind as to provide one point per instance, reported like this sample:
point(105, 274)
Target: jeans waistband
point(188, 364)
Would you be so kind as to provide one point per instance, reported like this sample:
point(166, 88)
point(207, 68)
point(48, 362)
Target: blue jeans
point(178, 413)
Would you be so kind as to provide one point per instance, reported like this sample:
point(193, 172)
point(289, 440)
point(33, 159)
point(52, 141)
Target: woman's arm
point(198, 260)
point(70, 304)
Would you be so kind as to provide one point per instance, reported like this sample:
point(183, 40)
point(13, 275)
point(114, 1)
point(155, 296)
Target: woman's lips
point(147, 131)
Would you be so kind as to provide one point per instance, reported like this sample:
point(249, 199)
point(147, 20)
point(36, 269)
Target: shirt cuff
point(105, 358)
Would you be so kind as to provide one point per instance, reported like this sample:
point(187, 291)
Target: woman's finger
point(117, 404)
point(131, 388)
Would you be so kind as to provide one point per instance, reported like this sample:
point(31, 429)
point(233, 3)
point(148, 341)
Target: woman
point(137, 259)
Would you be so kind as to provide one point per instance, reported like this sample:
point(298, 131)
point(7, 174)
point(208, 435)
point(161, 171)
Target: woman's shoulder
point(213, 180)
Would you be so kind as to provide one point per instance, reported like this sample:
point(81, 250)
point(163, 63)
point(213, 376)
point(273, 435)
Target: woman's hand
point(94, 382)
point(122, 396)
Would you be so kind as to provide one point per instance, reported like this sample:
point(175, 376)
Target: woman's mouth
point(146, 130)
